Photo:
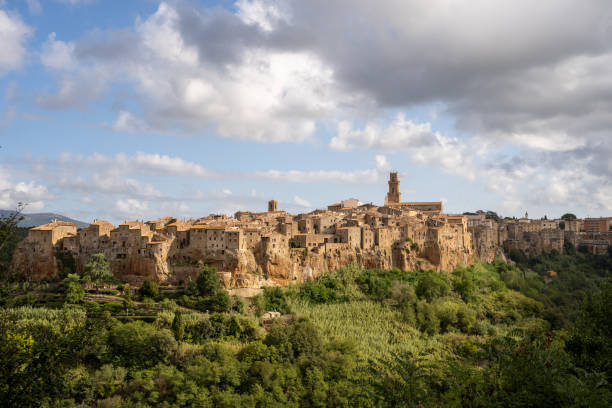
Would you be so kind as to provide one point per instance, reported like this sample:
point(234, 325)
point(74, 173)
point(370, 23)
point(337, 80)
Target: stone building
point(274, 247)
point(597, 224)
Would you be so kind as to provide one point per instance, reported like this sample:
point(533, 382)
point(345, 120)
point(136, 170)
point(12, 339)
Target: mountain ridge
point(34, 219)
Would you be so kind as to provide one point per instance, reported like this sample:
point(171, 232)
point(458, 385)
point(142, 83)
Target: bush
point(238, 304)
point(220, 302)
point(324, 290)
point(463, 284)
point(275, 300)
point(295, 340)
point(113, 307)
point(427, 319)
point(431, 286)
point(74, 293)
point(377, 283)
point(149, 289)
point(222, 326)
point(141, 344)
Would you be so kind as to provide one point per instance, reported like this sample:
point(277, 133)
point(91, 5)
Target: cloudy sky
point(138, 109)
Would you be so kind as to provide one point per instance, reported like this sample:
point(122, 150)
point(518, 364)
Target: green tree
point(590, 342)
point(9, 223)
point(568, 217)
point(74, 293)
point(128, 303)
point(149, 289)
point(431, 286)
point(208, 281)
point(178, 326)
point(191, 288)
point(220, 302)
point(141, 344)
point(98, 271)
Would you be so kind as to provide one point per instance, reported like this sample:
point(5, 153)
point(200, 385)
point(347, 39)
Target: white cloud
point(302, 202)
point(128, 123)
point(13, 32)
point(400, 135)
point(139, 163)
point(262, 95)
point(382, 164)
point(133, 209)
point(108, 183)
point(31, 193)
point(367, 176)
point(424, 146)
point(58, 55)
point(556, 142)
point(323, 176)
point(265, 14)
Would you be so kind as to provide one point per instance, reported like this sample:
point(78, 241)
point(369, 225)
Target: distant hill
point(32, 220)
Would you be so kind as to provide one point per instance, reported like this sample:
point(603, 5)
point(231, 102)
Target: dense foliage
point(495, 334)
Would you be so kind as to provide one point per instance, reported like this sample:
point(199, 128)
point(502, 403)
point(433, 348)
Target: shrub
point(113, 307)
point(149, 289)
point(427, 319)
point(431, 286)
point(220, 302)
point(238, 304)
point(463, 284)
point(376, 283)
point(74, 293)
point(178, 326)
point(294, 340)
point(275, 300)
point(141, 344)
point(324, 290)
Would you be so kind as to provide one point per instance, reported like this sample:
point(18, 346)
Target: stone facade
point(273, 247)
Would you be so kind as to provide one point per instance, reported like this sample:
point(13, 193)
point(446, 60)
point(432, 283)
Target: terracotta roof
point(54, 224)
point(101, 222)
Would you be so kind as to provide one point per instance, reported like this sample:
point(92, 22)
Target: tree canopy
point(97, 270)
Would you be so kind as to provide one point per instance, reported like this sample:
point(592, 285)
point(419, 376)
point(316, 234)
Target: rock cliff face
point(34, 265)
point(264, 268)
point(486, 243)
point(268, 263)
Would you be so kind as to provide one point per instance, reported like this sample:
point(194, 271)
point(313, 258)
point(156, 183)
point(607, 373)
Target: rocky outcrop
point(34, 264)
point(486, 243)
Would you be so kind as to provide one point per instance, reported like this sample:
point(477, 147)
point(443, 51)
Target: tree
point(568, 217)
point(74, 290)
point(431, 286)
point(492, 215)
point(9, 223)
point(149, 289)
point(208, 281)
point(98, 270)
point(220, 302)
point(128, 304)
point(178, 326)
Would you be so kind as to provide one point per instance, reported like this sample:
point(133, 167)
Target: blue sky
point(122, 110)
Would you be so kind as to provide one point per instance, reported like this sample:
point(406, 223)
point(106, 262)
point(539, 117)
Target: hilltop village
point(274, 247)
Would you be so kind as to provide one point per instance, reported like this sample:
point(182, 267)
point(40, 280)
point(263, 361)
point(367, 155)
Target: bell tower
point(393, 196)
point(272, 206)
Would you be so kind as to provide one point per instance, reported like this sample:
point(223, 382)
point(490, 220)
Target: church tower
point(393, 196)
point(272, 206)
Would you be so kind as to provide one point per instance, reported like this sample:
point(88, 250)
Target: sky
point(139, 109)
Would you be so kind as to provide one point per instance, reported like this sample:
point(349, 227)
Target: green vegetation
point(484, 335)
point(98, 271)
point(149, 289)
